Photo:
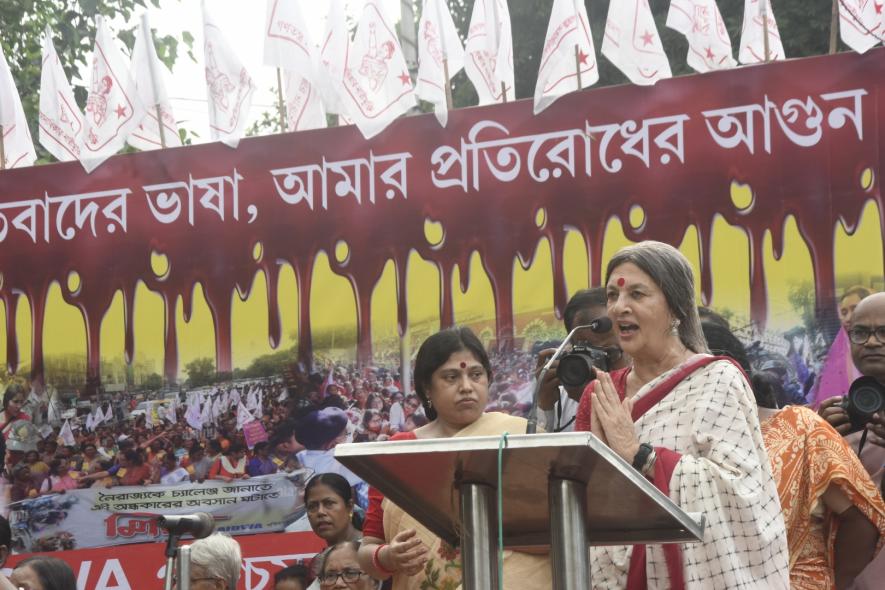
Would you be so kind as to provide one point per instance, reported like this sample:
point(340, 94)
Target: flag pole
point(280, 102)
point(162, 131)
point(448, 84)
point(445, 52)
point(834, 22)
point(577, 48)
point(2, 151)
point(578, 64)
point(494, 30)
point(148, 36)
point(763, 9)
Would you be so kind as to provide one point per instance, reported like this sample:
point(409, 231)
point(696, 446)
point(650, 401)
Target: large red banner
point(143, 567)
point(804, 134)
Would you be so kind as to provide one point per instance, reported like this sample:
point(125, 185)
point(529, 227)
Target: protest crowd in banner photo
point(202, 295)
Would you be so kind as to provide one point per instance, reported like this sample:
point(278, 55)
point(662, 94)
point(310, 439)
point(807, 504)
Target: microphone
point(199, 525)
point(600, 325)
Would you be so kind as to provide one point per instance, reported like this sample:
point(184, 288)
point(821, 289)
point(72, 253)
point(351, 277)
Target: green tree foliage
point(153, 382)
point(200, 372)
point(72, 22)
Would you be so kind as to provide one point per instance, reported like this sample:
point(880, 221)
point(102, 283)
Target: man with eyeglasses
point(867, 336)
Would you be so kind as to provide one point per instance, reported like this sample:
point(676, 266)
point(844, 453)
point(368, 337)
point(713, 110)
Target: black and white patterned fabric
point(710, 419)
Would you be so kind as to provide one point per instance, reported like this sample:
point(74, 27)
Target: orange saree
point(807, 455)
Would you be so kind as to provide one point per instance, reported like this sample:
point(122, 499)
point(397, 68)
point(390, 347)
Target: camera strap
point(863, 440)
point(557, 409)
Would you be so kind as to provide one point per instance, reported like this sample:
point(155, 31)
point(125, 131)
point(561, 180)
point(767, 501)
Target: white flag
point(243, 416)
point(251, 400)
point(489, 49)
point(304, 107)
point(376, 86)
point(113, 108)
point(709, 46)
point(193, 416)
point(149, 74)
point(753, 33)
point(568, 43)
point(171, 414)
point(438, 44)
point(333, 53)
point(109, 414)
point(206, 412)
point(217, 410)
point(18, 148)
point(860, 24)
point(149, 416)
point(66, 435)
point(287, 43)
point(233, 398)
point(61, 120)
point(90, 421)
point(229, 86)
point(632, 42)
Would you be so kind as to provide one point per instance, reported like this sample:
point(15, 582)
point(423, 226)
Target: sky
point(242, 22)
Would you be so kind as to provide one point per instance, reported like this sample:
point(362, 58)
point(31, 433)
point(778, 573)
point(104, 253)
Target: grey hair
point(672, 272)
point(324, 556)
point(220, 555)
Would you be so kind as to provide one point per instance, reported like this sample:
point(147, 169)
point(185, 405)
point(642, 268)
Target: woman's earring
point(674, 326)
point(429, 404)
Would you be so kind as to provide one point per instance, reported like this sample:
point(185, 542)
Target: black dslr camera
point(866, 396)
point(578, 367)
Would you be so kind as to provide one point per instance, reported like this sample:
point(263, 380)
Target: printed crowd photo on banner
point(195, 327)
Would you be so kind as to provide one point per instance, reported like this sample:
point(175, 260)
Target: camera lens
point(575, 370)
point(867, 400)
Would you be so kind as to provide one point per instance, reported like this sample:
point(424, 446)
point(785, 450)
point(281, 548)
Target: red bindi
point(463, 365)
point(621, 282)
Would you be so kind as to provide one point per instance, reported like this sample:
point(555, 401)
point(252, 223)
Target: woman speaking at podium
point(687, 421)
point(452, 376)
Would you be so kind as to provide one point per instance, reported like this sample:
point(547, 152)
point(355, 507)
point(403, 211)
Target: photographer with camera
point(862, 406)
point(564, 382)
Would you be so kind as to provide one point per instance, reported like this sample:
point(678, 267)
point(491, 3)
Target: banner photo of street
point(194, 323)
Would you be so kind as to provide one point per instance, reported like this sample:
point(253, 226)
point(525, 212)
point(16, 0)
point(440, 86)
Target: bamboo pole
point(148, 38)
point(2, 151)
point(763, 8)
point(281, 104)
point(162, 131)
point(834, 24)
point(578, 64)
point(449, 99)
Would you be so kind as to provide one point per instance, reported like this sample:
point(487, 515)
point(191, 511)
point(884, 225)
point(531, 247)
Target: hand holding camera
point(863, 407)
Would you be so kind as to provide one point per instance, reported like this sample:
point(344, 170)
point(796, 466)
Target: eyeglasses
point(349, 577)
point(860, 334)
point(194, 581)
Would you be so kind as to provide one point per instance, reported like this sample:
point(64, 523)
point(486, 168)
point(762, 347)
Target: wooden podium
point(564, 491)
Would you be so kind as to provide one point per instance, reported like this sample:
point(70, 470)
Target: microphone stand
point(171, 554)
point(532, 426)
